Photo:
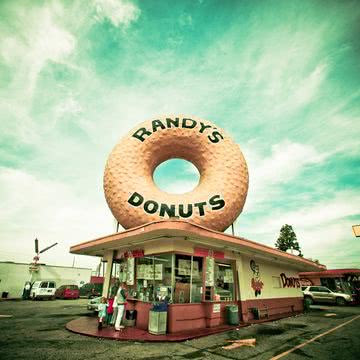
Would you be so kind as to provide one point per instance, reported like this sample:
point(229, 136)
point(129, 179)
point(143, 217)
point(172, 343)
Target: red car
point(67, 292)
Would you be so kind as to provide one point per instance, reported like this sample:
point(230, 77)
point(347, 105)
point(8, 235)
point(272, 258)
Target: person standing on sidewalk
point(109, 310)
point(102, 312)
point(26, 291)
point(119, 302)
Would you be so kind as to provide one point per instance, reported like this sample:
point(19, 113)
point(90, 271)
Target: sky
point(281, 77)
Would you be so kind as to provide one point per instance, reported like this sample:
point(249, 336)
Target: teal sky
point(282, 77)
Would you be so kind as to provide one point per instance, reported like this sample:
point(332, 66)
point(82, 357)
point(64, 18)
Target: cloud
point(72, 82)
point(176, 176)
point(307, 90)
point(119, 12)
point(179, 186)
point(50, 210)
point(41, 39)
point(331, 242)
point(323, 228)
point(322, 213)
point(186, 20)
point(286, 161)
point(68, 106)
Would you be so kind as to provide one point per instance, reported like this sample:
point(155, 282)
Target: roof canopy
point(177, 229)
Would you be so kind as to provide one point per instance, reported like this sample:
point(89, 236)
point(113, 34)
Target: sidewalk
point(88, 326)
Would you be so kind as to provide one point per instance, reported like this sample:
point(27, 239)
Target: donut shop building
point(199, 271)
point(174, 247)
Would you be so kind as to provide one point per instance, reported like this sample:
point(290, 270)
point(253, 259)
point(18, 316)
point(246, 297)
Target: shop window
point(197, 279)
point(153, 278)
point(162, 277)
point(224, 282)
point(123, 271)
point(175, 278)
point(276, 282)
point(188, 279)
point(145, 278)
point(182, 279)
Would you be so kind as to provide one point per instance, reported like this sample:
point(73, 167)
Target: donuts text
point(181, 210)
point(214, 136)
point(292, 282)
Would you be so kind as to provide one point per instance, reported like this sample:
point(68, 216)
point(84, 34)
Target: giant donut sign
point(215, 203)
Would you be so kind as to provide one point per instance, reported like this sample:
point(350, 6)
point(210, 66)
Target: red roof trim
point(331, 272)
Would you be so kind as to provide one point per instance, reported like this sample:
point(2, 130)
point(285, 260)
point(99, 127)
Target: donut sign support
point(215, 203)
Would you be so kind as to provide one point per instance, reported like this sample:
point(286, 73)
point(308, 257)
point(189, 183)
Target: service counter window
point(175, 278)
point(144, 278)
point(123, 271)
point(188, 279)
point(162, 277)
point(153, 278)
point(168, 277)
point(224, 282)
point(197, 279)
point(219, 281)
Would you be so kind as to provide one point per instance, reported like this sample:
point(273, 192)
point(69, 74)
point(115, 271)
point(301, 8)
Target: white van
point(43, 289)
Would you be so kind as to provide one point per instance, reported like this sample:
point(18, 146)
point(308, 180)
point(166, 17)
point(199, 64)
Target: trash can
point(232, 314)
point(158, 318)
point(4, 294)
point(130, 317)
point(157, 322)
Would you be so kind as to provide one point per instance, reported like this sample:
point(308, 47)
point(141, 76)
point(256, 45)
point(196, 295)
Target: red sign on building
point(129, 254)
point(208, 252)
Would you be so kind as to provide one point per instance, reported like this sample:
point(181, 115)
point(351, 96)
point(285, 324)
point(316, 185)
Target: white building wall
point(14, 275)
point(269, 274)
point(12, 278)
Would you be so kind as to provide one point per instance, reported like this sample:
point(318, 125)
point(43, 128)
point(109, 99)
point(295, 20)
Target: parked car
point(91, 290)
point(93, 304)
point(321, 294)
point(43, 290)
point(67, 292)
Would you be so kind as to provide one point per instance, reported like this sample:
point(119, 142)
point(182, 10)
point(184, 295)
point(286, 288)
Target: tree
point(287, 239)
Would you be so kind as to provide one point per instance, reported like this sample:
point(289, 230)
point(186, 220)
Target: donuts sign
point(180, 210)
point(215, 203)
point(186, 123)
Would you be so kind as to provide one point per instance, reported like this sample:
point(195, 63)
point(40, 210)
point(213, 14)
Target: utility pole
point(34, 265)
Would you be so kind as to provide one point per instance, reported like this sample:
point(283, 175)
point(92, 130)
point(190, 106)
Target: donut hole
point(176, 176)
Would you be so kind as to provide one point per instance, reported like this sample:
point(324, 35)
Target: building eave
point(163, 230)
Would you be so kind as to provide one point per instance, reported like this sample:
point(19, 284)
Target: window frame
point(192, 258)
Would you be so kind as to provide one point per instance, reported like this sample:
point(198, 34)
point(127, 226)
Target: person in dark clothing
point(26, 291)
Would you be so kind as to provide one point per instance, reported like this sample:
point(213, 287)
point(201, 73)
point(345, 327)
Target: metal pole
point(172, 278)
point(191, 276)
point(47, 248)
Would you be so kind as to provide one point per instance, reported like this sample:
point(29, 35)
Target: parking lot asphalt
point(36, 330)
